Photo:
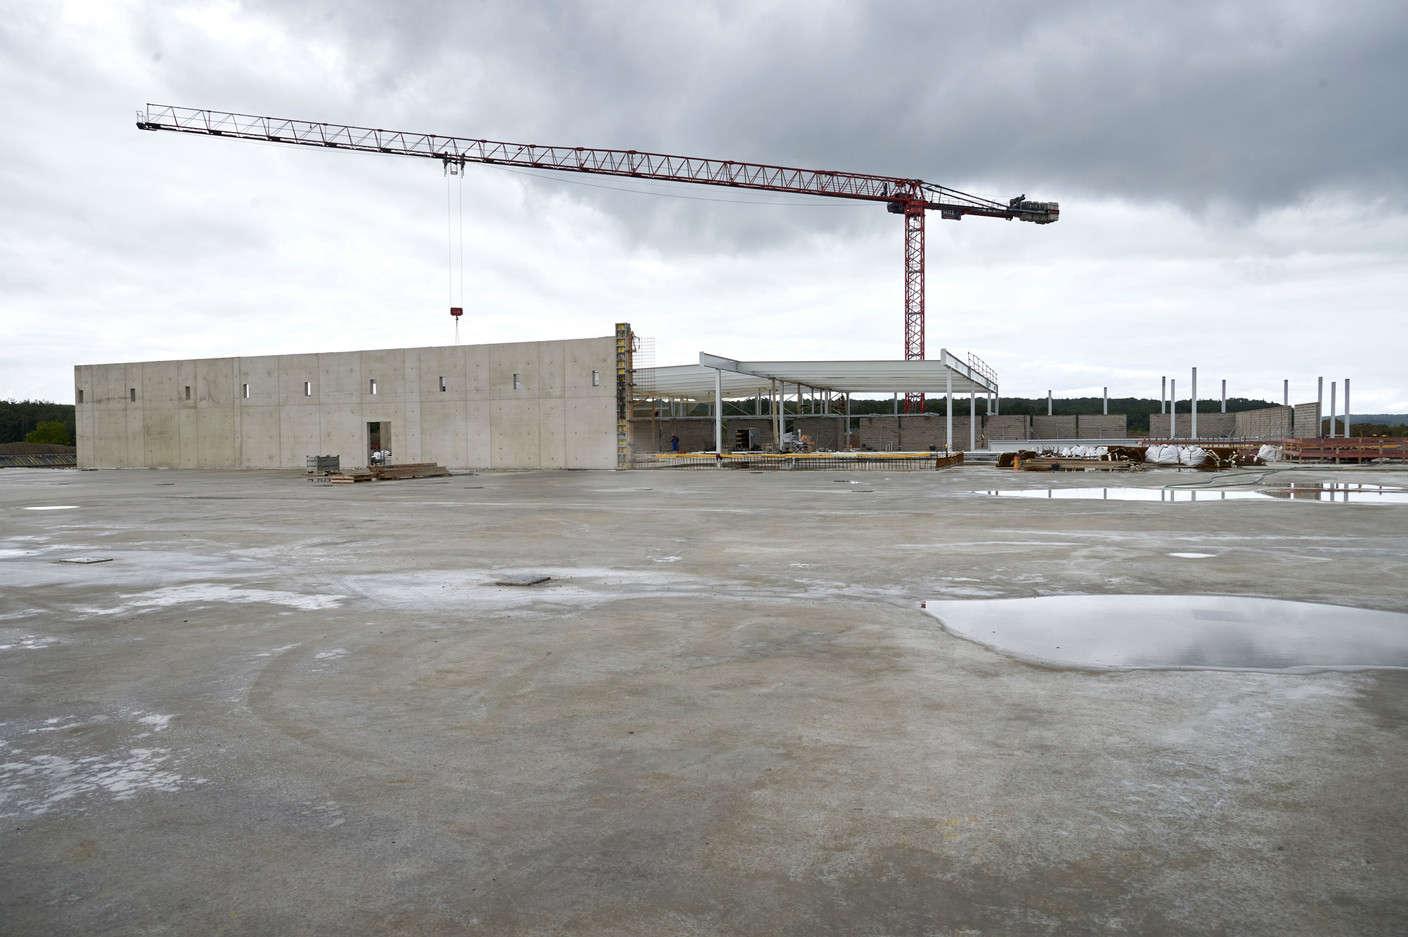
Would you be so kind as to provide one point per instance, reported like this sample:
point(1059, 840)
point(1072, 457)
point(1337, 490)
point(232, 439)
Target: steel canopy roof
point(747, 378)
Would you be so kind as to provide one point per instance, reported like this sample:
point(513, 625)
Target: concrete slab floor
point(285, 708)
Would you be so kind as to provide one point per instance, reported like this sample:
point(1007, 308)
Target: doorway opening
point(379, 442)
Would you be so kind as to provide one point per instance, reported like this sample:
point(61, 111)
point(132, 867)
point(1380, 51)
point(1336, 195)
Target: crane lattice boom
point(908, 197)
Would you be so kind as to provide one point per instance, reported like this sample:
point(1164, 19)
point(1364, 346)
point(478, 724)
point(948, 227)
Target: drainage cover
point(1195, 631)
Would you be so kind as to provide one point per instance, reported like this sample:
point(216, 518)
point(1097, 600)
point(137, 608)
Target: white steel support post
point(1224, 395)
point(972, 419)
point(718, 411)
point(948, 395)
point(1048, 403)
point(1105, 401)
point(1172, 409)
point(1193, 429)
point(1286, 392)
point(776, 426)
point(1332, 409)
point(1163, 392)
point(1346, 408)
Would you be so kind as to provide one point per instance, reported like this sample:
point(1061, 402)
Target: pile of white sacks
point(1176, 455)
point(1082, 452)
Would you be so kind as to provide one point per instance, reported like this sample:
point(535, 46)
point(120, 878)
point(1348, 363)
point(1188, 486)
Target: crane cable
point(450, 238)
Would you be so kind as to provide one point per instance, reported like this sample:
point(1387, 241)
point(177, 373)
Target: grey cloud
point(1255, 105)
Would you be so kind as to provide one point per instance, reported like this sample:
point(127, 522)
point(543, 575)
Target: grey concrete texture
point(286, 708)
point(513, 405)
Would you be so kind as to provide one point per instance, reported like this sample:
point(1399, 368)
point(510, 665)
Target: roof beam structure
point(747, 378)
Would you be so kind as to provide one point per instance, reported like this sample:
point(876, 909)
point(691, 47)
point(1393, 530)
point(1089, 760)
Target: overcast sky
point(1233, 180)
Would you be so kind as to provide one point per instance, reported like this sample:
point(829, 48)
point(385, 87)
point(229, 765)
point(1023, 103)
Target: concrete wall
point(1054, 427)
point(1008, 426)
point(273, 412)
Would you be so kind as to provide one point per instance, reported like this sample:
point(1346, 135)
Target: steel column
point(948, 396)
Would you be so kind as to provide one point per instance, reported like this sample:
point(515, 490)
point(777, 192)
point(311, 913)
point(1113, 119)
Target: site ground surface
point(291, 708)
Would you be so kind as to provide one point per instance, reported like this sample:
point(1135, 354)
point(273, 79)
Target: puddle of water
point(1327, 491)
point(53, 507)
point(1196, 631)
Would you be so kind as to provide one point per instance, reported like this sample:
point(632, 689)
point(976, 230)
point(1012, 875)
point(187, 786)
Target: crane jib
point(908, 197)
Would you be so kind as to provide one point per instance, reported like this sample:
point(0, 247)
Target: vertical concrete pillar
point(1163, 392)
point(718, 410)
point(1332, 409)
point(1193, 429)
point(1224, 395)
point(948, 395)
point(1105, 401)
point(1319, 406)
point(1048, 403)
point(897, 403)
point(1172, 409)
point(972, 418)
point(758, 403)
point(776, 416)
point(1346, 408)
point(1286, 392)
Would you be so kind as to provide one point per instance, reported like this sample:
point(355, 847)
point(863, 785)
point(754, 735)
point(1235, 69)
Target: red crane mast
point(911, 198)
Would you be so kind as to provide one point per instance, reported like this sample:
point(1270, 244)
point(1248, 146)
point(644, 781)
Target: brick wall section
point(1053, 427)
point(1100, 426)
point(1008, 426)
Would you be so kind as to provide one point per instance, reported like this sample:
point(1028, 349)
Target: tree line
point(36, 421)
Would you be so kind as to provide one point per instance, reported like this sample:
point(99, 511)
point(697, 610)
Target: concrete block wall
point(1054, 427)
point(1267, 423)
point(1305, 424)
point(914, 432)
point(1100, 426)
point(458, 406)
point(1008, 426)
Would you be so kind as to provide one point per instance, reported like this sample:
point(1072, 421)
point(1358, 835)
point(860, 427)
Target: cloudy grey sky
point(1233, 179)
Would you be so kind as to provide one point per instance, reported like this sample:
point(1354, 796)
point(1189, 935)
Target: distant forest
point(18, 417)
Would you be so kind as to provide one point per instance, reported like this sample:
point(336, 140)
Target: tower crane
point(911, 198)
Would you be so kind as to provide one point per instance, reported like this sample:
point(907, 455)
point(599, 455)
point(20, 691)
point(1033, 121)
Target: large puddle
point(1326, 491)
point(1199, 631)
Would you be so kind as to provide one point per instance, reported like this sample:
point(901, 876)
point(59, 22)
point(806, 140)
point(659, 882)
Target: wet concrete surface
point(303, 709)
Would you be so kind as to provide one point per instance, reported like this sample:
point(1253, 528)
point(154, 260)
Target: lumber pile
point(347, 478)
point(1059, 464)
point(387, 473)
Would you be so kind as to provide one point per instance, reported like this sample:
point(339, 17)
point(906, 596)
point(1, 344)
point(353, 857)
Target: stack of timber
point(347, 478)
point(1059, 464)
point(387, 473)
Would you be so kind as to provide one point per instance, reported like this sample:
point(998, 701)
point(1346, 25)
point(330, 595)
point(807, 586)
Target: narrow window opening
point(246, 392)
point(515, 380)
point(442, 385)
point(80, 395)
point(307, 388)
point(188, 391)
point(132, 394)
point(596, 378)
point(373, 385)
